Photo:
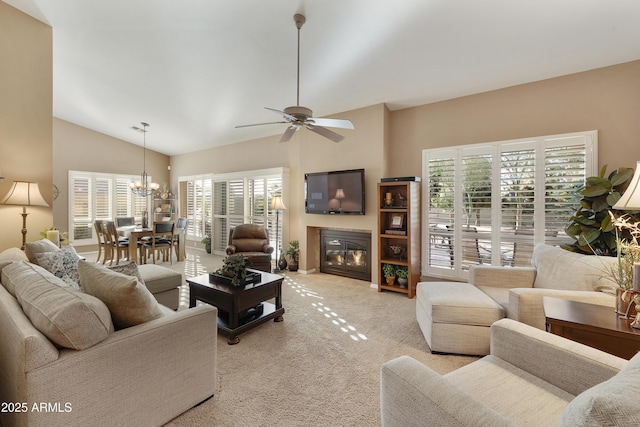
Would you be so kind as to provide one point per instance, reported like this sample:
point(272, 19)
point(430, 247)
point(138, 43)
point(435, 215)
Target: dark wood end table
point(594, 325)
point(234, 301)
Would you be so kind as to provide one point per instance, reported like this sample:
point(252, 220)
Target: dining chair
point(97, 224)
point(161, 240)
point(117, 247)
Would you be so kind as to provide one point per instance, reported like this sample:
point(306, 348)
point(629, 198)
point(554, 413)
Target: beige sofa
point(531, 378)
point(63, 363)
point(455, 317)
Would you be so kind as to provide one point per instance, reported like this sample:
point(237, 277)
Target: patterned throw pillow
point(610, 403)
point(130, 269)
point(62, 264)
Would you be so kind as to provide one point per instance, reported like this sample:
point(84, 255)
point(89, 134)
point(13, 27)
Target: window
point(491, 203)
point(98, 196)
point(215, 203)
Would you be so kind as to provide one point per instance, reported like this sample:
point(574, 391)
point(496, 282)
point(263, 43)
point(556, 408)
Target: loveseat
point(108, 353)
point(455, 317)
point(531, 378)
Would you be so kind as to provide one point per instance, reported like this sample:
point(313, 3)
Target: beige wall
point(25, 119)
point(606, 100)
point(81, 149)
point(384, 143)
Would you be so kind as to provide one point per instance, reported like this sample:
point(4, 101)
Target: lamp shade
point(277, 204)
point(339, 193)
point(630, 200)
point(24, 193)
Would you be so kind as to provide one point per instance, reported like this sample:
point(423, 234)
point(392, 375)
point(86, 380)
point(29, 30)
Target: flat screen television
point(335, 192)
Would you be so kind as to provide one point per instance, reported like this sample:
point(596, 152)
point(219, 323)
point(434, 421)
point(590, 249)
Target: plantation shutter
point(492, 203)
point(82, 222)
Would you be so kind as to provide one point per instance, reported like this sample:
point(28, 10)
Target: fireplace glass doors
point(346, 253)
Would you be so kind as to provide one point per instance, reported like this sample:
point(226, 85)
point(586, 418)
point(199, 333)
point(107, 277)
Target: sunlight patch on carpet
point(329, 314)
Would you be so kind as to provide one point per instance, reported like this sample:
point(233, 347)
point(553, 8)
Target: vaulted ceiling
point(194, 69)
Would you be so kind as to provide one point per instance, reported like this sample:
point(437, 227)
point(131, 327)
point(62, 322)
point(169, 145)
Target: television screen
point(336, 192)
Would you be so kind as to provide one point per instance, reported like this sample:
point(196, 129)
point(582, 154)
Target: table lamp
point(24, 193)
point(277, 205)
point(630, 201)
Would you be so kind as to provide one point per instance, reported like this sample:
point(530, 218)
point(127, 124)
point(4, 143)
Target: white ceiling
point(194, 69)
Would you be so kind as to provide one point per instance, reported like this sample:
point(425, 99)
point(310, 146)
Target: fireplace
point(346, 253)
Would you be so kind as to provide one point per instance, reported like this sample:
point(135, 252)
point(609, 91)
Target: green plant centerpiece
point(592, 225)
point(293, 252)
point(235, 268)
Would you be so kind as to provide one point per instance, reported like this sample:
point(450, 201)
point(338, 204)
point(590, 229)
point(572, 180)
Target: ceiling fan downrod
point(299, 19)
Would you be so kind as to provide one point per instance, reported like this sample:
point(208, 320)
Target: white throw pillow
point(129, 301)
point(610, 403)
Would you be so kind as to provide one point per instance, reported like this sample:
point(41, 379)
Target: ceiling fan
point(299, 116)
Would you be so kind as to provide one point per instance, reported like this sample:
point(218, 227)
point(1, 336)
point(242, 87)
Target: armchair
point(252, 241)
point(530, 378)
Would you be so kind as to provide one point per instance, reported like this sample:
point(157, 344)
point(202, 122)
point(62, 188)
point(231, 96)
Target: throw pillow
point(129, 269)
point(129, 301)
point(611, 403)
point(39, 246)
point(62, 264)
point(67, 317)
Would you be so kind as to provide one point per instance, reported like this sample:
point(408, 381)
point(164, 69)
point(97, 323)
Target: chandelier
point(143, 187)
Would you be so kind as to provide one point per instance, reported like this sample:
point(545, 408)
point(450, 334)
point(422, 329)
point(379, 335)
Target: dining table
point(137, 233)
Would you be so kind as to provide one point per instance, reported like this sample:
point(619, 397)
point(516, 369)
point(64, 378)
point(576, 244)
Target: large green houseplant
point(592, 226)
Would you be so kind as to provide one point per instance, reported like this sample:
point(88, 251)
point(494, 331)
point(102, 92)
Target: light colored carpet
point(319, 367)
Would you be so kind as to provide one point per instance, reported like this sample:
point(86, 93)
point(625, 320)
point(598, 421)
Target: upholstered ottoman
point(455, 317)
point(163, 283)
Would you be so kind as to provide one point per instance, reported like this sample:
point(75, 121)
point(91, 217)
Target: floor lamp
point(24, 193)
point(277, 205)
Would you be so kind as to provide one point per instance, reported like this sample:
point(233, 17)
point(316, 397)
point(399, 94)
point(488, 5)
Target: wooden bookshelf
point(399, 232)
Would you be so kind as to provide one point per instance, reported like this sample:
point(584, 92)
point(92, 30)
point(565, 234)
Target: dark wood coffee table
point(594, 325)
point(240, 308)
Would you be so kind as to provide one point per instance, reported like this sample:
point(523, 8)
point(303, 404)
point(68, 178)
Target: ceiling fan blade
point(325, 132)
point(259, 124)
point(286, 136)
point(333, 123)
point(285, 115)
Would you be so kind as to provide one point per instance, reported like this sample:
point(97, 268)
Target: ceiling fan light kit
point(298, 116)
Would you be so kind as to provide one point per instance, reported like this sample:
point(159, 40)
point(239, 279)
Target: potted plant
point(389, 272)
point(402, 273)
point(293, 252)
point(207, 243)
point(235, 268)
point(591, 226)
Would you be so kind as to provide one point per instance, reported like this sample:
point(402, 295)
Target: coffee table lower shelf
point(269, 312)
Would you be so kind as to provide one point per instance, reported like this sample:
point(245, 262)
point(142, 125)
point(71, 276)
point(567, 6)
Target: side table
point(593, 325)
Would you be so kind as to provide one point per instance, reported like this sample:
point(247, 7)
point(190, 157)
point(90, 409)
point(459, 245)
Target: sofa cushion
point(611, 403)
point(557, 268)
point(39, 246)
point(69, 318)
point(62, 264)
point(10, 255)
point(159, 279)
point(129, 301)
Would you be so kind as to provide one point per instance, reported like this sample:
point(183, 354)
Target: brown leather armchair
point(252, 241)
